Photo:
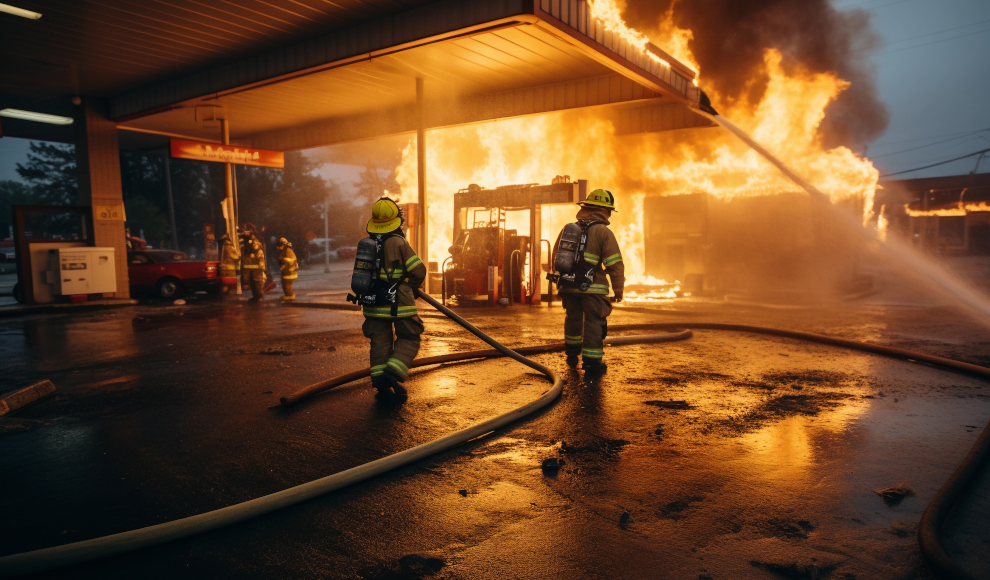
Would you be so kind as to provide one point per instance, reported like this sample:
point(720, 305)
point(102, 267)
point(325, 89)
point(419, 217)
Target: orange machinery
point(490, 260)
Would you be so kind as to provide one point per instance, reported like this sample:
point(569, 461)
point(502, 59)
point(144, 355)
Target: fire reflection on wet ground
point(729, 455)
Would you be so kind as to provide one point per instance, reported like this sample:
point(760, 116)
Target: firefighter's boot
point(594, 369)
point(395, 382)
point(572, 360)
point(384, 388)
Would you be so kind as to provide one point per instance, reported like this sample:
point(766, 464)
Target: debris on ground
point(671, 404)
point(11, 425)
point(786, 530)
point(600, 445)
point(419, 565)
point(624, 519)
point(552, 465)
point(903, 529)
point(275, 352)
point(672, 511)
point(795, 571)
point(463, 492)
point(893, 495)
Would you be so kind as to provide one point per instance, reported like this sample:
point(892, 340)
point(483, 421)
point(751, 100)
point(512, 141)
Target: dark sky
point(932, 73)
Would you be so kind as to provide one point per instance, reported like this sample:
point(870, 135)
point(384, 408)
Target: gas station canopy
point(169, 69)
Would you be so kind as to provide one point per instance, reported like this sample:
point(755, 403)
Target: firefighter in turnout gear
point(253, 264)
point(585, 292)
point(230, 258)
point(247, 240)
point(394, 327)
point(288, 266)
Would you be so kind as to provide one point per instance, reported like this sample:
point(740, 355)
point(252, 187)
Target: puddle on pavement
point(183, 318)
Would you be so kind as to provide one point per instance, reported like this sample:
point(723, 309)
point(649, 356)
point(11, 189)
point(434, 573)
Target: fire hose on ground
point(929, 533)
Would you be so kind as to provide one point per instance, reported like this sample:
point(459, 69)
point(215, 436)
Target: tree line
point(285, 202)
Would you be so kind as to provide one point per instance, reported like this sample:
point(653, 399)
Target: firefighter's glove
point(617, 297)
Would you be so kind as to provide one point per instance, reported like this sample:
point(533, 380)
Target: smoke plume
point(728, 39)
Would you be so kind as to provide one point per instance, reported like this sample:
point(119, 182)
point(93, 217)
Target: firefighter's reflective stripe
point(386, 311)
point(412, 263)
point(396, 275)
point(593, 289)
point(398, 367)
point(613, 259)
point(377, 370)
point(591, 258)
point(250, 267)
point(568, 339)
point(592, 353)
point(291, 276)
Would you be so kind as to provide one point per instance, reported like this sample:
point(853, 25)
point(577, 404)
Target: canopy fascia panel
point(480, 61)
point(611, 89)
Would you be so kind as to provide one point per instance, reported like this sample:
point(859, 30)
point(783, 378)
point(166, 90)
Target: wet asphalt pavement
point(766, 470)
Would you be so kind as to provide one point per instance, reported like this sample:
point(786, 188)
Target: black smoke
point(730, 37)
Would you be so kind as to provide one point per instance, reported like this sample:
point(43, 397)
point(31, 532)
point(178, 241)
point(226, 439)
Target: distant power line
point(960, 133)
point(883, 44)
point(928, 145)
point(933, 42)
point(872, 7)
point(937, 164)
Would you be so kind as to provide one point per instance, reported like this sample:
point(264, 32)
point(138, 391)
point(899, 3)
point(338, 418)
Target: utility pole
point(171, 204)
point(326, 235)
point(422, 227)
point(229, 197)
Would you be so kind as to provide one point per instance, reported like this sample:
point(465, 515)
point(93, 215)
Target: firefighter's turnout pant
point(256, 278)
point(290, 294)
point(394, 352)
point(586, 325)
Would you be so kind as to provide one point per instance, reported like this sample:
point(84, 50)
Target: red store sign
point(200, 151)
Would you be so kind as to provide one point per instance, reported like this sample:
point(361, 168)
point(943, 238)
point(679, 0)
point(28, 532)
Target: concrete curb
point(29, 309)
point(25, 396)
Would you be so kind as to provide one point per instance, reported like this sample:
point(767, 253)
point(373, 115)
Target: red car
point(171, 274)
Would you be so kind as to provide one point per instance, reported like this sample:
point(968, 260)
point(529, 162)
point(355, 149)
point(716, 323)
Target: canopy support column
point(422, 228)
point(228, 200)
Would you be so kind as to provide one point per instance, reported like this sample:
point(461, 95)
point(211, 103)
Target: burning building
point(948, 215)
point(698, 210)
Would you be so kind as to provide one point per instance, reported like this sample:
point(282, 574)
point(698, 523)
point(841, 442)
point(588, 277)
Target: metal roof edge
point(398, 31)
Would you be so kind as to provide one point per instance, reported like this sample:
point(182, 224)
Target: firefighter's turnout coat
point(287, 264)
point(230, 258)
point(585, 323)
point(396, 352)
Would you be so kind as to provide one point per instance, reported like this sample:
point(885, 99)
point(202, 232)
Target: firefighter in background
point(288, 266)
point(253, 262)
point(230, 258)
point(247, 239)
point(584, 289)
point(400, 272)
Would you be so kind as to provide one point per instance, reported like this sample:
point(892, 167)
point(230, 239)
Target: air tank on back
point(567, 256)
point(365, 273)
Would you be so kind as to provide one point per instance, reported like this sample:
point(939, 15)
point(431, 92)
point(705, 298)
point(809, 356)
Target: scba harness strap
point(582, 276)
point(382, 292)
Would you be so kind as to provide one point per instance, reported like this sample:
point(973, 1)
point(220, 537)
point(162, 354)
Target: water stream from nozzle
point(931, 271)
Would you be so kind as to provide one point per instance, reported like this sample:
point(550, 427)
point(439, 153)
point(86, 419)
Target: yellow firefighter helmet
point(385, 217)
point(600, 198)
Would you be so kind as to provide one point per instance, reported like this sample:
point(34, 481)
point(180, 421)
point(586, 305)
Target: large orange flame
point(584, 145)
